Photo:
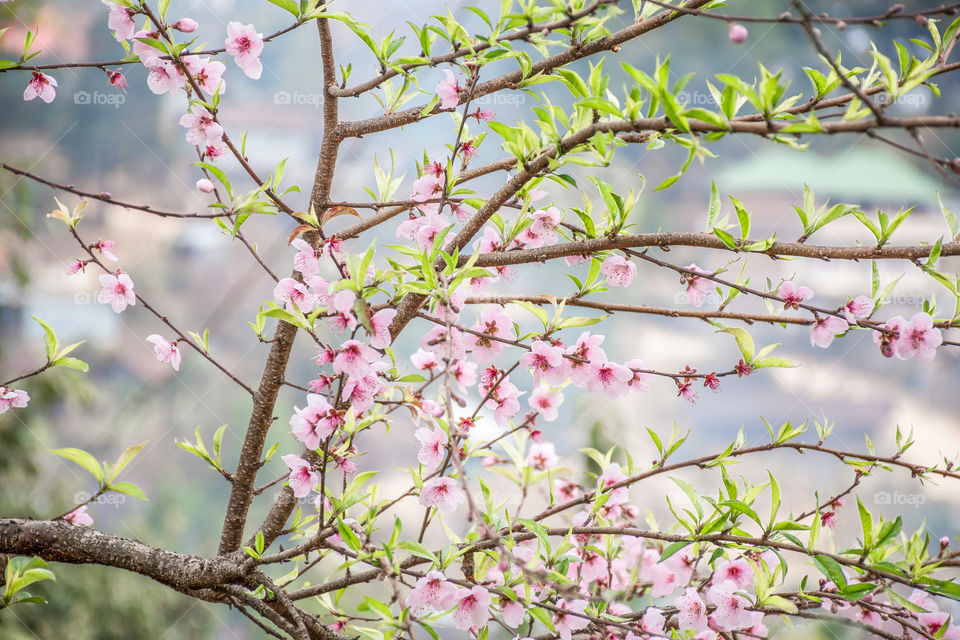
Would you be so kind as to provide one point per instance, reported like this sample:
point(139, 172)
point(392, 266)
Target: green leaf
point(744, 341)
point(289, 5)
point(72, 363)
point(743, 218)
point(725, 238)
point(83, 459)
point(129, 489)
point(713, 210)
point(128, 454)
point(49, 339)
point(832, 569)
point(780, 603)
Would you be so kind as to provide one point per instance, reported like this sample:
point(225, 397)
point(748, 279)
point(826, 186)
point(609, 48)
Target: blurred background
point(130, 144)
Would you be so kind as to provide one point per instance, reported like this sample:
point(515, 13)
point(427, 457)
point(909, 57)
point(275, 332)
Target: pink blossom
point(201, 127)
point(586, 348)
point(117, 79)
point(433, 446)
point(354, 359)
point(433, 592)
point(245, 45)
point(205, 186)
point(428, 187)
point(448, 91)
point(469, 150)
point(738, 33)
point(792, 295)
point(185, 25)
point(545, 224)
point(731, 612)
point(343, 310)
point(165, 351)
point(919, 337)
point(163, 75)
point(494, 323)
point(293, 295)
point(214, 151)
point(485, 115)
point(619, 271)
point(120, 20)
point(738, 571)
point(430, 226)
point(207, 73)
point(505, 400)
point(546, 361)
point(464, 373)
point(13, 399)
point(303, 479)
point(117, 291)
point(473, 608)
point(542, 456)
point(612, 475)
point(76, 266)
point(380, 321)
point(609, 377)
point(639, 380)
point(513, 611)
point(79, 517)
point(888, 341)
point(565, 490)
point(106, 248)
point(698, 288)
point(653, 621)
point(665, 581)
point(564, 622)
point(360, 393)
point(41, 85)
point(442, 493)
point(692, 611)
point(859, 307)
point(142, 49)
point(424, 360)
point(545, 401)
point(306, 261)
point(824, 330)
point(440, 344)
point(316, 422)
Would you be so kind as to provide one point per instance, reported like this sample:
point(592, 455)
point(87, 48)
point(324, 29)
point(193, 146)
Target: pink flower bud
point(205, 186)
point(117, 80)
point(738, 33)
point(186, 25)
point(76, 266)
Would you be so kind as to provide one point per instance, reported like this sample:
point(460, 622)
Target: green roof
point(864, 173)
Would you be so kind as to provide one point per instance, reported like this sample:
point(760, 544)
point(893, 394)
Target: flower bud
point(204, 185)
point(738, 33)
point(186, 25)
